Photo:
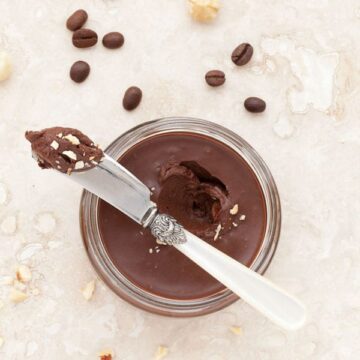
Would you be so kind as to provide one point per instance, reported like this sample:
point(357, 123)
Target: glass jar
point(151, 302)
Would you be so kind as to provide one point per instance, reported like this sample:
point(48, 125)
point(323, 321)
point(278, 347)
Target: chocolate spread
point(63, 149)
point(209, 189)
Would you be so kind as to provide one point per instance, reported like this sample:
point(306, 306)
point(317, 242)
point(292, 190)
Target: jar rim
point(151, 302)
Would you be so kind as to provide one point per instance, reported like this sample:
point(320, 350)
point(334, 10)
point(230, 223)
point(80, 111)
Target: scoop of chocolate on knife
point(70, 151)
point(63, 149)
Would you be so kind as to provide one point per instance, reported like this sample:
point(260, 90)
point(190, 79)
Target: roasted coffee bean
point(77, 20)
point(84, 38)
point(242, 54)
point(79, 71)
point(255, 104)
point(215, 77)
point(113, 40)
point(132, 98)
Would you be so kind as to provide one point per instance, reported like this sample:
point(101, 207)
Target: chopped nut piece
point(5, 66)
point(217, 232)
point(73, 139)
point(151, 250)
point(204, 10)
point(106, 354)
point(54, 145)
point(160, 242)
point(235, 224)
point(23, 274)
point(242, 217)
point(106, 357)
point(236, 330)
point(1, 342)
point(88, 290)
point(70, 154)
point(91, 158)
point(79, 165)
point(234, 210)
point(59, 135)
point(161, 352)
point(17, 296)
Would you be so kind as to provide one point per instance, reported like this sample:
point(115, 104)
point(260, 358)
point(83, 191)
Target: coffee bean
point(255, 104)
point(77, 20)
point(113, 40)
point(84, 38)
point(215, 77)
point(132, 98)
point(79, 71)
point(242, 54)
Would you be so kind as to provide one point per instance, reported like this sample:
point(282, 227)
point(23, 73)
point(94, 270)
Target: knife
point(113, 183)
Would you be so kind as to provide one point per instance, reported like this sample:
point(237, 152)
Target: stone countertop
point(305, 66)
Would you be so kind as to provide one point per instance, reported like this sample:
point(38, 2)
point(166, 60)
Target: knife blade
point(113, 183)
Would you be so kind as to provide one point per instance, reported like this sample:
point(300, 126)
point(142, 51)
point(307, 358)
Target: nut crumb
point(234, 210)
point(59, 135)
point(23, 273)
point(204, 10)
point(69, 171)
point(160, 242)
point(217, 232)
point(54, 145)
point(236, 330)
point(235, 224)
point(79, 165)
point(73, 139)
point(88, 290)
point(70, 154)
point(151, 250)
point(242, 217)
point(5, 66)
point(17, 296)
point(106, 354)
point(161, 352)
point(152, 189)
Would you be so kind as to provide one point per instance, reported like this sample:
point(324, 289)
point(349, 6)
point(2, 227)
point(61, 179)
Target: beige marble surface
point(306, 66)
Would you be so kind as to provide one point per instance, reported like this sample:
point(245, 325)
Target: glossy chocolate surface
point(162, 270)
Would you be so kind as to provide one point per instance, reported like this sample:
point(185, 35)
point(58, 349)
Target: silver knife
point(116, 185)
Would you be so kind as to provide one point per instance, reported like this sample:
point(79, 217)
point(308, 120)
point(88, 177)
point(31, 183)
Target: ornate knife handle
point(165, 228)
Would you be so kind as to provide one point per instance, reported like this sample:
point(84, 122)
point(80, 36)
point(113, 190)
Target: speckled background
point(305, 66)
